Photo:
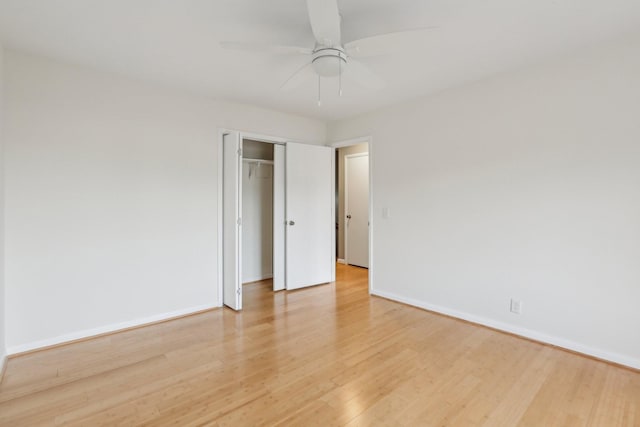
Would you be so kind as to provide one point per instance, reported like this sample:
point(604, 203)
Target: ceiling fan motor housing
point(329, 61)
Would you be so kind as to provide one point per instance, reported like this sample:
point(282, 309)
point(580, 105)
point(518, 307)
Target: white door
point(278, 217)
point(357, 209)
point(310, 216)
point(231, 220)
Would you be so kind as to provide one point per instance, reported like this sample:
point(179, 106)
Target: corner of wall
point(3, 348)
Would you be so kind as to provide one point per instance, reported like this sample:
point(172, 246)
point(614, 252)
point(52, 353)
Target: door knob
point(292, 223)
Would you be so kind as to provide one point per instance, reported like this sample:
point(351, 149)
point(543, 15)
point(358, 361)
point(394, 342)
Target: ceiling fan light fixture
point(329, 61)
point(329, 57)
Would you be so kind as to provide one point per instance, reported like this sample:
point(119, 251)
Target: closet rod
point(268, 162)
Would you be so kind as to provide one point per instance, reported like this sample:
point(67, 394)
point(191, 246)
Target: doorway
point(257, 211)
point(353, 201)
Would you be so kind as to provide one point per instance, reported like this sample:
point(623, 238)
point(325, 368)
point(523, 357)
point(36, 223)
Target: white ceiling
point(176, 42)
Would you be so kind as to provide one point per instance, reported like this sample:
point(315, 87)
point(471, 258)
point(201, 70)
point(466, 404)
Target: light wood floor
point(328, 355)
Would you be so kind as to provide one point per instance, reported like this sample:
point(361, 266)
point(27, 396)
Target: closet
point(264, 234)
point(257, 210)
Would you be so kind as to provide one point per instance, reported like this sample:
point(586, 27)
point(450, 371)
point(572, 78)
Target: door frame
point(243, 135)
point(280, 140)
point(347, 143)
point(346, 200)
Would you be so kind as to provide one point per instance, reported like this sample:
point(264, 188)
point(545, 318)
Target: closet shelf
point(267, 162)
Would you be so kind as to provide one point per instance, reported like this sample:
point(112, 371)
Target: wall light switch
point(516, 306)
point(385, 213)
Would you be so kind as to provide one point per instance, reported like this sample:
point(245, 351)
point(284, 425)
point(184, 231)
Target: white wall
point(3, 305)
point(526, 185)
point(111, 198)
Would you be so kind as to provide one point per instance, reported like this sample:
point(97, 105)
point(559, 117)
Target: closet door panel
point(231, 220)
point(310, 216)
point(278, 217)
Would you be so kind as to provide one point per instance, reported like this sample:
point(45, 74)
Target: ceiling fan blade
point(325, 21)
point(361, 74)
point(384, 44)
point(297, 79)
point(267, 48)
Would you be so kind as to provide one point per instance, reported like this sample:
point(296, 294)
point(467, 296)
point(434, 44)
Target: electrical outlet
point(516, 306)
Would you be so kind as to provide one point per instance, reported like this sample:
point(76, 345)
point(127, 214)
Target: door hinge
point(239, 151)
point(239, 291)
point(239, 221)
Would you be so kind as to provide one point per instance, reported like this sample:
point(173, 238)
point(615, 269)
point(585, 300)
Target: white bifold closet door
point(279, 217)
point(310, 216)
point(231, 220)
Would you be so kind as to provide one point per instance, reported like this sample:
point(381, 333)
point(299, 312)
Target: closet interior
point(257, 210)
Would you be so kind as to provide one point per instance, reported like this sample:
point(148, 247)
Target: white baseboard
point(257, 278)
point(341, 261)
point(88, 333)
point(3, 365)
point(523, 332)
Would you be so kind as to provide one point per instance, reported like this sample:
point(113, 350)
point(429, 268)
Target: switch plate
point(516, 306)
point(385, 213)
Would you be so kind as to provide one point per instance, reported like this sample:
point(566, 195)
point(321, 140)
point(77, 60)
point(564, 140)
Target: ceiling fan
point(331, 57)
